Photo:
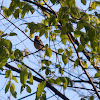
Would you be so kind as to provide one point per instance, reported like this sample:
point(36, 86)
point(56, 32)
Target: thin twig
point(80, 63)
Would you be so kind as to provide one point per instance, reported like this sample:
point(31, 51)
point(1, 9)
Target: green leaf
point(75, 11)
point(77, 33)
point(43, 97)
point(90, 30)
point(30, 76)
point(22, 88)
point(12, 88)
point(46, 62)
point(63, 39)
point(48, 52)
point(76, 63)
point(65, 82)
point(7, 86)
point(84, 38)
point(57, 66)
point(23, 76)
point(15, 79)
point(61, 70)
point(58, 81)
point(68, 3)
point(28, 89)
point(40, 89)
point(29, 82)
point(52, 81)
point(69, 52)
point(53, 1)
point(4, 35)
point(64, 58)
point(93, 5)
point(15, 94)
point(91, 98)
point(57, 31)
point(60, 50)
point(19, 66)
point(83, 1)
point(80, 48)
point(18, 53)
point(47, 71)
point(12, 34)
point(97, 74)
point(85, 64)
point(16, 13)
point(8, 73)
point(1, 33)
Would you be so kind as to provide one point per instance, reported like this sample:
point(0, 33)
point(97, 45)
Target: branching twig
point(40, 80)
point(80, 63)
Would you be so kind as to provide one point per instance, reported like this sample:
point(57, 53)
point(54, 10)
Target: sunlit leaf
point(40, 89)
point(97, 74)
point(65, 59)
point(7, 86)
point(23, 76)
point(12, 88)
point(48, 52)
point(15, 79)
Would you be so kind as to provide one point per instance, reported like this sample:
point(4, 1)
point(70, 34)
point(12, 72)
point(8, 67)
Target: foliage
point(60, 24)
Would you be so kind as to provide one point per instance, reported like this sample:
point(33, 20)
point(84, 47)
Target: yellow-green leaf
point(83, 1)
point(23, 76)
point(12, 88)
point(97, 74)
point(7, 86)
point(40, 89)
point(48, 52)
point(64, 58)
point(28, 89)
point(15, 79)
point(30, 76)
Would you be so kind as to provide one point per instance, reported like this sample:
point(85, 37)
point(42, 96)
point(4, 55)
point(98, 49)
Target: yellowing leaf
point(40, 89)
point(30, 76)
point(23, 76)
point(15, 79)
point(48, 52)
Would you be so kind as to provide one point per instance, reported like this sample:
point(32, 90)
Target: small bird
point(38, 43)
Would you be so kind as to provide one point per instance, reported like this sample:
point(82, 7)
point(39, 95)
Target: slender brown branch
point(30, 69)
point(49, 7)
point(37, 4)
point(40, 80)
point(29, 37)
point(85, 81)
point(75, 40)
point(80, 63)
point(82, 88)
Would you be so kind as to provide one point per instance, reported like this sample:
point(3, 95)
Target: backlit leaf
point(40, 89)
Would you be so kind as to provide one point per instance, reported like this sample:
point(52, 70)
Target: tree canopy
point(71, 37)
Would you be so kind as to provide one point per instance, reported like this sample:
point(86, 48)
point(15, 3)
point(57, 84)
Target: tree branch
point(40, 80)
point(80, 63)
